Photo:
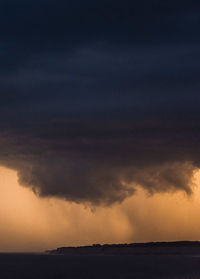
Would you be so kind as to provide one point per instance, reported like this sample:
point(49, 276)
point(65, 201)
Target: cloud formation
point(98, 98)
point(29, 223)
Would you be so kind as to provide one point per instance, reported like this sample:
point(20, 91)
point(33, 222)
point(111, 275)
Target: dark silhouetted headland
point(150, 248)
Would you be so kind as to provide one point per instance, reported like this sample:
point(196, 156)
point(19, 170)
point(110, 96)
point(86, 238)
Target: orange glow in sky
point(29, 223)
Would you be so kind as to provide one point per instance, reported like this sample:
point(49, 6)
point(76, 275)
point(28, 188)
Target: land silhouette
point(149, 248)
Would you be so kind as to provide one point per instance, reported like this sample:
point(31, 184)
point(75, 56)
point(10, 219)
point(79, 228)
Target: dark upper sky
point(98, 95)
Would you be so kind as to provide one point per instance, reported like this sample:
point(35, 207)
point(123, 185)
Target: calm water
point(32, 266)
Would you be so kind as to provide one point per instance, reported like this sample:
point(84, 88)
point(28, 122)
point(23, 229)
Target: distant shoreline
point(149, 248)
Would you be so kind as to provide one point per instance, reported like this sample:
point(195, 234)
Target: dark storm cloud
point(100, 96)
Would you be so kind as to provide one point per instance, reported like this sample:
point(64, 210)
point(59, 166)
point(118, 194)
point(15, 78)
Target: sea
point(42, 266)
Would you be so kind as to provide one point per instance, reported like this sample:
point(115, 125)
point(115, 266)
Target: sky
point(32, 224)
point(99, 115)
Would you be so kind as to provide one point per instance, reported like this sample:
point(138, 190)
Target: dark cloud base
point(101, 169)
point(100, 97)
